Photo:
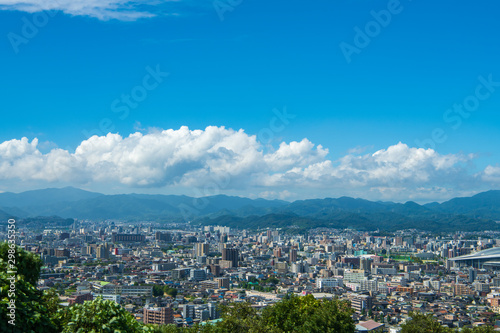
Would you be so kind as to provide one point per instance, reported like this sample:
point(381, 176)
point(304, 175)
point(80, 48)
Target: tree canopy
point(99, 316)
point(307, 314)
point(27, 264)
point(32, 307)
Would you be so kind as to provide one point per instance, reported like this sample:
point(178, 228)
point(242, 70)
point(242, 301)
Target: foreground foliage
point(99, 316)
point(33, 309)
point(307, 314)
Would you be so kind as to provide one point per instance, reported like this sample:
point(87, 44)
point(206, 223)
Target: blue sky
point(66, 80)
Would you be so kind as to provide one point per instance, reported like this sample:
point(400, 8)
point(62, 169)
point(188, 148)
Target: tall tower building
point(231, 255)
point(201, 249)
point(102, 251)
point(223, 238)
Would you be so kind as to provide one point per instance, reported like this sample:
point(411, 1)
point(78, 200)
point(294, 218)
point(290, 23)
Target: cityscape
point(234, 166)
point(180, 273)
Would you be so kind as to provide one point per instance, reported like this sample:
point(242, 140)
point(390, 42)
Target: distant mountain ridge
point(46, 196)
point(479, 212)
point(4, 215)
point(71, 202)
point(484, 204)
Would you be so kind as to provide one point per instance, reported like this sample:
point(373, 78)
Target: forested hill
point(479, 212)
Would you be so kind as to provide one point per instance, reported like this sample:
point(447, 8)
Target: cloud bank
point(236, 161)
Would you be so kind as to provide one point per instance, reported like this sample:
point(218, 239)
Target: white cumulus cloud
point(491, 174)
point(197, 158)
point(398, 164)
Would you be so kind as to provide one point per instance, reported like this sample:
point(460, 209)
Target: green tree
point(32, 307)
point(161, 290)
point(171, 291)
point(423, 323)
point(27, 264)
point(51, 300)
point(158, 290)
point(239, 318)
point(99, 316)
point(416, 260)
point(307, 314)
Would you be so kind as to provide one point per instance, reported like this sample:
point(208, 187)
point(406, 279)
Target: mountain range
point(479, 212)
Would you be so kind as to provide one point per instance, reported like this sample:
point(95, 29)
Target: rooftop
point(493, 253)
